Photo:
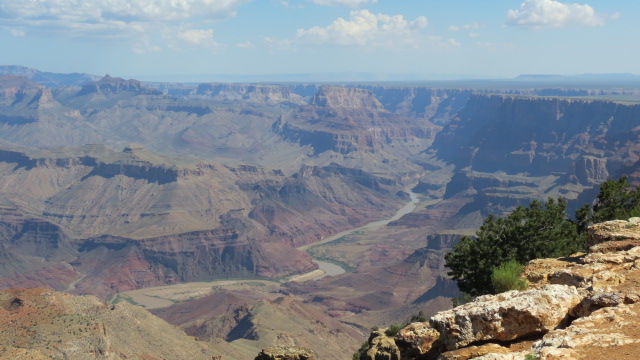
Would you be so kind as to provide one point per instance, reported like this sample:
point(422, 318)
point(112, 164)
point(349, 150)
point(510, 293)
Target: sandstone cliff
point(266, 94)
point(506, 150)
point(589, 139)
point(110, 85)
point(582, 307)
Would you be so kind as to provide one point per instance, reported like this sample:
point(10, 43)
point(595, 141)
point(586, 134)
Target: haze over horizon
point(388, 39)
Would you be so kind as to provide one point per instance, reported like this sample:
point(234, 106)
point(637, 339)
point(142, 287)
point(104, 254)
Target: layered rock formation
point(508, 150)
point(110, 85)
point(106, 221)
point(266, 94)
point(579, 307)
point(345, 120)
point(541, 136)
point(437, 105)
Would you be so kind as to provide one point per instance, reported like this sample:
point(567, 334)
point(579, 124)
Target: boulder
point(522, 355)
point(610, 331)
point(507, 316)
point(286, 353)
point(418, 338)
point(381, 347)
point(614, 231)
point(473, 352)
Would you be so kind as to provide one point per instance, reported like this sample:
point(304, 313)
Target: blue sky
point(157, 38)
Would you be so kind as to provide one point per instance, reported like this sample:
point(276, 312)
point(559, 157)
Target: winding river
point(331, 269)
point(162, 296)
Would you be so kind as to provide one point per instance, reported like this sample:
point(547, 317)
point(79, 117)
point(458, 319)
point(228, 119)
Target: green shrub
point(464, 298)
point(360, 353)
point(393, 329)
point(507, 277)
point(537, 231)
point(420, 317)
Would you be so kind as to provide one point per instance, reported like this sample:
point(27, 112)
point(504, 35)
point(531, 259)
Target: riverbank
point(163, 296)
point(332, 268)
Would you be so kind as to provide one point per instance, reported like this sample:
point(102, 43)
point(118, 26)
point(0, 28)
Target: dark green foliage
point(539, 230)
point(462, 299)
point(617, 199)
point(506, 277)
point(394, 328)
point(360, 353)
point(418, 318)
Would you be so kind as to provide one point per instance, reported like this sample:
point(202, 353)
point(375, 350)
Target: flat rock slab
point(506, 316)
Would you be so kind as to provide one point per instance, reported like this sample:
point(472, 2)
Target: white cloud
point(17, 32)
point(278, 44)
point(246, 45)
point(195, 37)
point(537, 14)
point(116, 18)
point(491, 46)
point(287, 5)
point(121, 10)
point(472, 26)
point(352, 3)
point(365, 29)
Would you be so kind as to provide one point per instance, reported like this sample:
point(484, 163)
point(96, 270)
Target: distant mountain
point(599, 78)
point(48, 79)
point(532, 77)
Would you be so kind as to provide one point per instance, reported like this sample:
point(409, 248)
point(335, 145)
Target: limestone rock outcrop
point(614, 235)
point(502, 317)
point(382, 347)
point(586, 306)
point(506, 316)
point(286, 353)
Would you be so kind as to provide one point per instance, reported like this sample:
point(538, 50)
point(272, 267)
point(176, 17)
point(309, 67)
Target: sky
point(161, 39)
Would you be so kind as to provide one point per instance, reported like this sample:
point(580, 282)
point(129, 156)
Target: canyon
point(109, 186)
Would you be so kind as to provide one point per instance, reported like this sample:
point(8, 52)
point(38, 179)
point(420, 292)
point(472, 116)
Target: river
point(162, 296)
point(331, 269)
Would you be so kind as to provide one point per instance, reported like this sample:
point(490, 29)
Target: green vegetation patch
point(537, 231)
point(541, 230)
point(117, 298)
point(393, 329)
point(507, 277)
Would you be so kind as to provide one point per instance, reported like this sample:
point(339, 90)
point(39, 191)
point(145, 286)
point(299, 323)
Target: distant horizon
point(353, 77)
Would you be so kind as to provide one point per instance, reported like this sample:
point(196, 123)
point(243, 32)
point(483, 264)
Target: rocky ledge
point(586, 306)
point(286, 353)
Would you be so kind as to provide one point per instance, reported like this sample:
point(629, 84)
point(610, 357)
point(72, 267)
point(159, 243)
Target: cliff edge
point(586, 306)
